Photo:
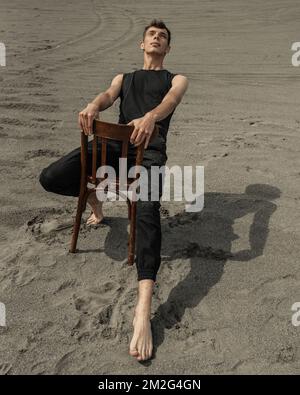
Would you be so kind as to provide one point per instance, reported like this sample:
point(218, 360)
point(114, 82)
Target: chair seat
point(111, 190)
point(115, 182)
point(111, 196)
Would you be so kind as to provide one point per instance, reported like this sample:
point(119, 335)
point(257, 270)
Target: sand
point(230, 273)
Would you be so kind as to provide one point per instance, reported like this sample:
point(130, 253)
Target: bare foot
point(96, 216)
point(141, 345)
point(94, 220)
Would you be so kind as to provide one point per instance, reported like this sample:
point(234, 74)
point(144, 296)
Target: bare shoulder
point(178, 88)
point(115, 87)
point(118, 79)
point(180, 79)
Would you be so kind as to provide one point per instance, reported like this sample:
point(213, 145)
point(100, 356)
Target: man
point(148, 96)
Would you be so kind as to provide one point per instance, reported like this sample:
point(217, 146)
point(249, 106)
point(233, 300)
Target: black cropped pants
point(63, 177)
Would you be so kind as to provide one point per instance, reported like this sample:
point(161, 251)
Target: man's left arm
point(144, 126)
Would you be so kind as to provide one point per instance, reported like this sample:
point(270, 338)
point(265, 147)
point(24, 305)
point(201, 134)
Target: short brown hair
point(161, 25)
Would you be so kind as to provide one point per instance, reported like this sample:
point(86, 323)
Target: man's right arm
point(107, 98)
point(100, 103)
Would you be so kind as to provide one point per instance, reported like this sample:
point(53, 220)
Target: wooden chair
point(107, 131)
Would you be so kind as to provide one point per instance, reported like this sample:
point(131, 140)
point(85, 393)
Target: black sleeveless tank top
point(143, 90)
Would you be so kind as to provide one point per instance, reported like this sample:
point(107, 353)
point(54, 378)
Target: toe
point(143, 355)
point(94, 220)
point(134, 353)
point(90, 219)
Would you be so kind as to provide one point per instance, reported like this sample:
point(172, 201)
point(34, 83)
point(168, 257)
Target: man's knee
point(45, 179)
point(49, 181)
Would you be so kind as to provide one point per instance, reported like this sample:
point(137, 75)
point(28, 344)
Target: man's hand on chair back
point(86, 118)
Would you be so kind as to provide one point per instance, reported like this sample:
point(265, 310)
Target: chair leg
point(81, 205)
point(129, 209)
point(131, 242)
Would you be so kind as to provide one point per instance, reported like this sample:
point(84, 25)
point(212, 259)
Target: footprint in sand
point(63, 363)
point(5, 368)
point(96, 307)
point(66, 284)
point(41, 153)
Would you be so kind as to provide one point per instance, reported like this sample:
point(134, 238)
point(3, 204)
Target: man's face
point(156, 41)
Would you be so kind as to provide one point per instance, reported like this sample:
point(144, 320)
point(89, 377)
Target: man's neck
point(153, 68)
point(153, 62)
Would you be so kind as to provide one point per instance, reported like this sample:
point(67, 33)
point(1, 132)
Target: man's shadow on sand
point(205, 238)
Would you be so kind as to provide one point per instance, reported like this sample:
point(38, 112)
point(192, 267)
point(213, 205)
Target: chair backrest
point(105, 131)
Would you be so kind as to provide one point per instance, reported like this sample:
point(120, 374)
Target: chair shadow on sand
point(205, 238)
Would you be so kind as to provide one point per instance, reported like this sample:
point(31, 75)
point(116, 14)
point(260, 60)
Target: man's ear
point(142, 45)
